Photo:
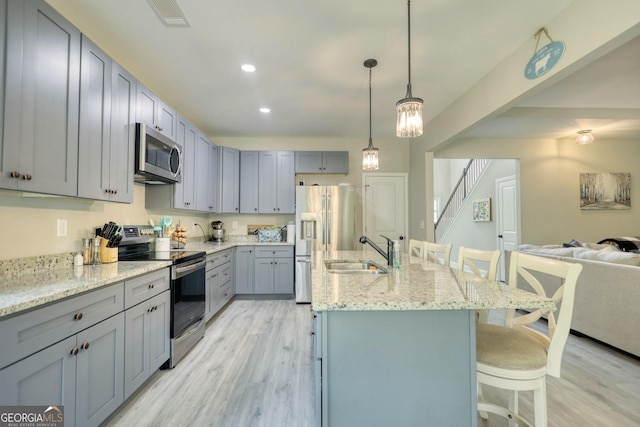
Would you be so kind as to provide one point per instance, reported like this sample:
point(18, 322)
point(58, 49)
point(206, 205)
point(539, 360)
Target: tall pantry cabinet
point(39, 144)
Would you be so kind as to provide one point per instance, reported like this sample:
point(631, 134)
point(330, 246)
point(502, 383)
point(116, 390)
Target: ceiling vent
point(170, 13)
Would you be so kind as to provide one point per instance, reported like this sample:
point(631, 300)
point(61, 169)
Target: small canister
point(86, 251)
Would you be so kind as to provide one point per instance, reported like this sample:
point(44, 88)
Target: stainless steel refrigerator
point(325, 221)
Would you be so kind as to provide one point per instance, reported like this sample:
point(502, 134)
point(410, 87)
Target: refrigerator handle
point(324, 210)
point(329, 219)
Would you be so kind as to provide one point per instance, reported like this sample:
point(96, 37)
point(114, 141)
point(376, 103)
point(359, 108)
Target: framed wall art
point(482, 209)
point(605, 190)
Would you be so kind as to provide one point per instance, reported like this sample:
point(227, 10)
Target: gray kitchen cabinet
point(273, 270)
point(201, 182)
point(82, 372)
point(244, 270)
point(100, 371)
point(229, 180)
point(217, 282)
point(41, 102)
point(317, 162)
point(249, 181)
point(107, 132)
point(146, 340)
point(154, 112)
point(277, 182)
point(212, 179)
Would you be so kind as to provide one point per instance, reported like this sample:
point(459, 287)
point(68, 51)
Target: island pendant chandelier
point(409, 109)
point(370, 154)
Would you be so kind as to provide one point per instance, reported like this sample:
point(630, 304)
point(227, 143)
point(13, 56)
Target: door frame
point(405, 183)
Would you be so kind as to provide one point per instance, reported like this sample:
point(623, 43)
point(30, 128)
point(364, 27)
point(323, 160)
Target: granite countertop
point(19, 292)
point(417, 285)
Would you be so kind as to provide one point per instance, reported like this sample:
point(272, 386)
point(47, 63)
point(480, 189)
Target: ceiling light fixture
point(409, 124)
point(265, 110)
point(248, 68)
point(370, 154)
point(585, 137)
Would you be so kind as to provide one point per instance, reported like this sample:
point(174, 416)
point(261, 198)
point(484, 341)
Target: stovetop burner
point(177, 256)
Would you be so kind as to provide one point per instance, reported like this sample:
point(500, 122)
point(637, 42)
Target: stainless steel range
point(187, 286)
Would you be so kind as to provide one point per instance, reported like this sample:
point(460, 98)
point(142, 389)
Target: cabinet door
point(267, 194)
point(123, 134)
point(44, 378)
point(249, 181)
point(147, 105)
point(263, 275)
point(335, 162)
point(184, 196)
point(230, 180)
point(202, 174)
point(286, 182)
point(136, 354)
point(308, 161)
point(244, 270)
point(41, 100)
point(95, 116)
point(212, 180)
point(100, 371)
point(159, 334)
point(167, 120)
point(283, 275)
point(4, 174)
point(211, 283)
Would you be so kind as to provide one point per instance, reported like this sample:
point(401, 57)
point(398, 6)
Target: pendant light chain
point(370, 154)
point(370, 138)
point(409, 95)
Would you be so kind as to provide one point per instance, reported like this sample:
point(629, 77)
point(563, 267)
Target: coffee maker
point(217, 235)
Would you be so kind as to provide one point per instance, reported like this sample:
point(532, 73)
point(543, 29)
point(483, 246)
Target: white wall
point(549, 185)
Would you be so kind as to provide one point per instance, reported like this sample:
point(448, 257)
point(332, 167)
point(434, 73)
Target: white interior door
point(506, 218)
point(385, 207)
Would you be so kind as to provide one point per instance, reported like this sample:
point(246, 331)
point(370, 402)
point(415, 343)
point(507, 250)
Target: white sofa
point(607, 293)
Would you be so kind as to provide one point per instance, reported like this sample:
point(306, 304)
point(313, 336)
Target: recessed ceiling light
point(248, 68)
point(265, 110)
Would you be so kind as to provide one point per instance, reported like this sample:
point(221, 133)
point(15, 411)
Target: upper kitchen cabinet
point(322, 162)
point(107, 127)
point(212, 180)
point(229, 180)
point(202, 177)
point(249, 181)
point(153, 111)
point(41, 101)
point(276, 171)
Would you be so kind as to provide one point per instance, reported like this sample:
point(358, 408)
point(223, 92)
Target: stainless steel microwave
point(158, 160)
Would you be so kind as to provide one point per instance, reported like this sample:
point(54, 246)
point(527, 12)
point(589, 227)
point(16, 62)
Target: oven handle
point(180, 271)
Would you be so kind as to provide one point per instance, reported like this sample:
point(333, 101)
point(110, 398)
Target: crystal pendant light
point(409, 109)
point(370, 154)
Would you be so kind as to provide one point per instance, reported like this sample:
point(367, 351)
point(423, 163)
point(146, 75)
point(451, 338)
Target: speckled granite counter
point(417, 285)
point(28, 291)
point(30, 282)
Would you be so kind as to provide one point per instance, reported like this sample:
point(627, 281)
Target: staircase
point(470, 175)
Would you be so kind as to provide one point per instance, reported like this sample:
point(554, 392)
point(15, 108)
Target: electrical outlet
point(234, 225)
point(422, 225)
point(62, 228)
point(194, 226)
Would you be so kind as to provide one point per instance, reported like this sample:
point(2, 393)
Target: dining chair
point(475, 259)
point(517, 357)
point(416, 248)
point(433, 250)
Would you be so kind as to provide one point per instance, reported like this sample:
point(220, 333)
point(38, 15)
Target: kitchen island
point(399, 348)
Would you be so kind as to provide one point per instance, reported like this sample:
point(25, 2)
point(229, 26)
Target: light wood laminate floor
point(253, 368)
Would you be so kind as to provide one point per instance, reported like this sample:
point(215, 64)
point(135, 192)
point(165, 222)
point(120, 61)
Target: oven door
point(187, 295)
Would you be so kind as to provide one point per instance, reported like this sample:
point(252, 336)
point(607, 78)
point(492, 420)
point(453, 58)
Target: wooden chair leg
point(483, 414)
point(540, 405)
point(513, 406)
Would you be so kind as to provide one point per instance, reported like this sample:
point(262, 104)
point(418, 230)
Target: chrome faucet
point(388, 256)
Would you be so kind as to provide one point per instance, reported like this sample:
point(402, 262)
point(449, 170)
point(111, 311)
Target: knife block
point(107, 255)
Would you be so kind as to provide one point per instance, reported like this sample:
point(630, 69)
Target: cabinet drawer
point(30, 332)
point(274, 251)
point(142, 288)
point(224, 293)
point(217, 259)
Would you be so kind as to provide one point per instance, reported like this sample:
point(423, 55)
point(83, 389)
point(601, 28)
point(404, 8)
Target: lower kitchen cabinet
point(147, 342)
point(273, 270)
point(218, 285)
point(244, 273)
point(83, 373)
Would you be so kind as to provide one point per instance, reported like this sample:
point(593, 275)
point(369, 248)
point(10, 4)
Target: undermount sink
point(354, 267)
